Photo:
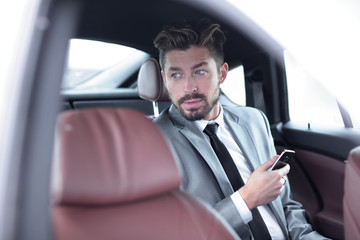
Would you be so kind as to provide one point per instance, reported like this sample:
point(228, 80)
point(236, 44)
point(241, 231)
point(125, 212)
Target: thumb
point(266, 165)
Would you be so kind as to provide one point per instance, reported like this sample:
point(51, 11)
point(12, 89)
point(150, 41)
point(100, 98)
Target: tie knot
point(211, 129)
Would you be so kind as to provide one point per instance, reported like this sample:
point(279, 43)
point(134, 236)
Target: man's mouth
point(192, 101)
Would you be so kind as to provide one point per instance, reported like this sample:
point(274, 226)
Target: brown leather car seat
point(352, 196)
point(116, 178)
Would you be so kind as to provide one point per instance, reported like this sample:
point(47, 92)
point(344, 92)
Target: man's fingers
point(266, 165)
point(284, 170)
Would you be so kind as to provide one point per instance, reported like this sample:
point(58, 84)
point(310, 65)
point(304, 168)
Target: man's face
point(193, 82)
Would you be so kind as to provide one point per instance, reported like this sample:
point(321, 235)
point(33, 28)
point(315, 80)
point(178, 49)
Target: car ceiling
point(136, 23)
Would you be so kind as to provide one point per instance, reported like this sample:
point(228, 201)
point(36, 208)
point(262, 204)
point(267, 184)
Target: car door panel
point(317, 174)
point(326, 175)
point(317, 183)
point(335, 142)
point(303, 189)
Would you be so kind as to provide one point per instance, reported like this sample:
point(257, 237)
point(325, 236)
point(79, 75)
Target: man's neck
point(214, 112)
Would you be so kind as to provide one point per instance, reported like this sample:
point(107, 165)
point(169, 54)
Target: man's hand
point(264, 186)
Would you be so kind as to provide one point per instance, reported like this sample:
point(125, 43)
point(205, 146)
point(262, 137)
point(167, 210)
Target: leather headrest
point(150, 83)
point(110, 156)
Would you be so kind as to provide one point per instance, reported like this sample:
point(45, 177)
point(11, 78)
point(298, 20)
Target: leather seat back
point(116, 178)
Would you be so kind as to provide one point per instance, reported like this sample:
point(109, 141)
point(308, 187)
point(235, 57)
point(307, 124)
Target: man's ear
point(163, 78)
point(224, 68)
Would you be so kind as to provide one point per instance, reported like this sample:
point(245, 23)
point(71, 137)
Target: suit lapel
point(243, 138)
point(202, 145)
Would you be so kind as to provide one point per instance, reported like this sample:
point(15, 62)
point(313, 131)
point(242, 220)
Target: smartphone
point(285, 157)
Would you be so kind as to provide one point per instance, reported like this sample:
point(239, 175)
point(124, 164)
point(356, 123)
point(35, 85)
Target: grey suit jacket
point(204, 177)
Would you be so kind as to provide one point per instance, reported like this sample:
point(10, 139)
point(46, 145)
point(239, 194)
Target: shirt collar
point(201, 124)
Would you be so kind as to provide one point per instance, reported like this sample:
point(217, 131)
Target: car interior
point(79, 201)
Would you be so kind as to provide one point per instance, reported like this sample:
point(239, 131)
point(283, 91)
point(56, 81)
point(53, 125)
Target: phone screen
point(285, 157)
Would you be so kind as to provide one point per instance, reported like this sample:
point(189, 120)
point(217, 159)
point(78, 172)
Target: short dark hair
point(182, 36)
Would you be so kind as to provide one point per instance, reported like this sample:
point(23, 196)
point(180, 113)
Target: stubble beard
point(195, 114)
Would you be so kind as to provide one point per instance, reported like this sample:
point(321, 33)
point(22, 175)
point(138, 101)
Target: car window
point(234, 85)
point(309, 101)
point(100, 65)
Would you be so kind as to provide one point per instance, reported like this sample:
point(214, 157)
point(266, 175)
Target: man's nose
point(190, 85)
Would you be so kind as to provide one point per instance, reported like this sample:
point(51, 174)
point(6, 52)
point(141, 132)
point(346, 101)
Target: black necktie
point(257, 225)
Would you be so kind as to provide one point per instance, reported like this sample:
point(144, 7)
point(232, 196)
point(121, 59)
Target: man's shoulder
point(242, 112)
point(163, 117)
point(164, 121)
point(239, 108)
point(255, 120)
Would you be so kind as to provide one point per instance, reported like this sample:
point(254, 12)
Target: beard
point(194, 114)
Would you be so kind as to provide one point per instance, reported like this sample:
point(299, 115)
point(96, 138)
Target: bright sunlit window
point(89, 60)
point(234, 85)
point(309, 100)
point(326, 46)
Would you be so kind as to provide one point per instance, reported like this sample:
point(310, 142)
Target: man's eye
point(200, 72)
point(175, 75)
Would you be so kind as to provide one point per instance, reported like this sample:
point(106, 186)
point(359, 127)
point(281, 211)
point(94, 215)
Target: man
point(193, 67)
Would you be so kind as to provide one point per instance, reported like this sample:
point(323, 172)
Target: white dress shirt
point(225, 136)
